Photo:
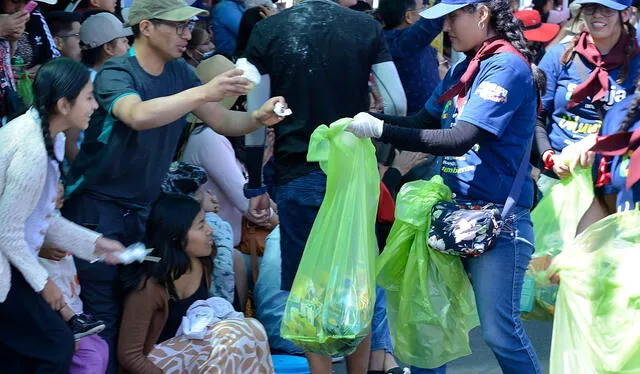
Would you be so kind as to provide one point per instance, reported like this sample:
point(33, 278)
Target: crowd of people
point(129, 122)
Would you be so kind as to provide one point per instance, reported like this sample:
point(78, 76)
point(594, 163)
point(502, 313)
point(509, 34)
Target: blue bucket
point(284, 364)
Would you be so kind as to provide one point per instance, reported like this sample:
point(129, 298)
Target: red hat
point(534, 29)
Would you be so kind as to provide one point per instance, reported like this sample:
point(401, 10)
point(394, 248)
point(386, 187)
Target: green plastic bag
point(24, 85)
point(597, 321)
point(430, 303)
point(555, 221)
point(25, 90)
point(556, 217)
point(330, 306)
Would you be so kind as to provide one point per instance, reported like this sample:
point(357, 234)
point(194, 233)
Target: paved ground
point(482, 360)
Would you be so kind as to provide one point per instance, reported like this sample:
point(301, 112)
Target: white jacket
point(23, 172)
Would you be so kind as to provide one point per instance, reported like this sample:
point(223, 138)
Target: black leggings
point(33, 338)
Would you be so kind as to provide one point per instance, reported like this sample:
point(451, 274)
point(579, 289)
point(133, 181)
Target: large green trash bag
point(330, 306)
point(555, 221)
point(597, 321)
point(430, 302)
point(556, 217)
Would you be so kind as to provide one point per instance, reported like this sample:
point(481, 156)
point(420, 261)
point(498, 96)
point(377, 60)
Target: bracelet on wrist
point(253, 192)
point(548, 160)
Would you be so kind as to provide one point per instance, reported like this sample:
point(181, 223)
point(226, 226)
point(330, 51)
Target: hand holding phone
point(31, 6)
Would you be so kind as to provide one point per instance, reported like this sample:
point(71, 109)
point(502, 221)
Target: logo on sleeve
point(492, 92)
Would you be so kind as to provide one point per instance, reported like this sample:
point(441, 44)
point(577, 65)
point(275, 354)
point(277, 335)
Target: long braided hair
point(569, 53)
point(57, 79)
point(632, 110)
point(508, 26)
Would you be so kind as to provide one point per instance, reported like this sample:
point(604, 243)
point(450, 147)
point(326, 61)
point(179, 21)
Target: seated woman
point(190, 180)
point(157, 296)
point(200, 47)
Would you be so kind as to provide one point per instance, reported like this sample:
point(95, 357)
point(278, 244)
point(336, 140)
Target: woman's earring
point(481, 25)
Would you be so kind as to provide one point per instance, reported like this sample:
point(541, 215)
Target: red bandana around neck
point(597, 85)
point(618, 145)
point(489, 48)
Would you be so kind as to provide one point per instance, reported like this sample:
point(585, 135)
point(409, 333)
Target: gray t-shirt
point(116, 162)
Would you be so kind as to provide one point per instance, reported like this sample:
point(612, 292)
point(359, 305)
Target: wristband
point(253, 192)
point(548, 160)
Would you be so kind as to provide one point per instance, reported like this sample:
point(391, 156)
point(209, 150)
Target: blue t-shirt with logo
point(626, 199)
point(502, 100)
point(567, 126)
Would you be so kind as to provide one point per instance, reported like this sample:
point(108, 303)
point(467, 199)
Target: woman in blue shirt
point(482, 118)
point(617, 188)
point(585, 78)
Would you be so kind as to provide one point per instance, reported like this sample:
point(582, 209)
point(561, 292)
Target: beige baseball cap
point(167, 10)
point(102, 28)
point(209, 69)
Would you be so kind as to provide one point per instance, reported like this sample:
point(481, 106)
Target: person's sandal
point(396, 370)
point(399, 370)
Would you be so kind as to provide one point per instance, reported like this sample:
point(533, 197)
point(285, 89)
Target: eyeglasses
point(69, 35)
point(590, 9)
point(180, 27)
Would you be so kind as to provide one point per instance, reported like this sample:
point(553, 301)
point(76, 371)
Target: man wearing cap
point(102, 36)
point(133, 136)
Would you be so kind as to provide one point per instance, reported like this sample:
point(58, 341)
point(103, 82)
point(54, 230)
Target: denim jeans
point(299, 201)
point(497, 278)
point(380, 335)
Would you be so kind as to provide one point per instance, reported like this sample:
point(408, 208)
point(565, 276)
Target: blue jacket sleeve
point(416, 37)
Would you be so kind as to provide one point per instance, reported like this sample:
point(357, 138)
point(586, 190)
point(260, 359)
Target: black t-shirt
point(319, 57)
point(116, 162)
point(179, 308)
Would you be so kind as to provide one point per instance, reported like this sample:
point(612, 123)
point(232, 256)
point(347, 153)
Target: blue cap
point(445, 7)
point(618, 5)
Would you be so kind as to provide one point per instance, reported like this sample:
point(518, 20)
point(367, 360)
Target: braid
point(48, 142)
point(633, 108)
point(628, 50)
point(571, 49)
point(568, 53)
point(506, 24)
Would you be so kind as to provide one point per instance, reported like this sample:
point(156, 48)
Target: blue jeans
point(299, 201)
point(497, 278)
point(380, 335)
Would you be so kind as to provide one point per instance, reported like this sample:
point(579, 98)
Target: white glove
point(364, 125)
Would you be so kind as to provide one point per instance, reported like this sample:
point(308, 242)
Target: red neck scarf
point(489, 48)
point(597, 85)
point(618, 145)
